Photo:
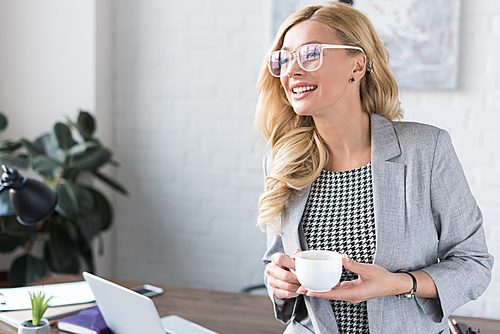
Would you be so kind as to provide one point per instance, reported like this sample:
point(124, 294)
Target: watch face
point(408, 295)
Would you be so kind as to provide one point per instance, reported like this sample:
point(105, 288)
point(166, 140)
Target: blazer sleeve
point(463, 270)
point(284, 310)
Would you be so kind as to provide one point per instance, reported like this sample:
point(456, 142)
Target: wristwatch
point(413, 291)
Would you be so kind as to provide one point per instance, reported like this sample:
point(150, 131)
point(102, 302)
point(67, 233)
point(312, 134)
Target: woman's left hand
point(373, 281)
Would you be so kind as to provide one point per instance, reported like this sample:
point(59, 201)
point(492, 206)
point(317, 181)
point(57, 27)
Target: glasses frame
point(321, 48)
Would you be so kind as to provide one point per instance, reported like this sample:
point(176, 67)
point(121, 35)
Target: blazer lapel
point(388, 179)
point(294, 208)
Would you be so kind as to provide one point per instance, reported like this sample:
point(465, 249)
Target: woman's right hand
point(283, 283)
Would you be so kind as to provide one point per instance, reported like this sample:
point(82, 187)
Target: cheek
point(284, 85)
point(284, 82)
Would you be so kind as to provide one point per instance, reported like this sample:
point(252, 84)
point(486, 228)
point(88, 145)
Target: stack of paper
point(15, 305)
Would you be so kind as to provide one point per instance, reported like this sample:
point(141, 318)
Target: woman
point(343, 175)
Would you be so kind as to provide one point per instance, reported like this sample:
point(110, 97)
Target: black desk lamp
point(32, 200)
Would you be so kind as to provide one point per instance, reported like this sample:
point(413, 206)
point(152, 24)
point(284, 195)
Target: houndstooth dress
point(339, 216)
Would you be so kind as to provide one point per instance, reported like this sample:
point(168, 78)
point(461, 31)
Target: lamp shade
point(32, 200)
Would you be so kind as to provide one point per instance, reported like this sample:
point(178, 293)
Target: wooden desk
point(224, 312)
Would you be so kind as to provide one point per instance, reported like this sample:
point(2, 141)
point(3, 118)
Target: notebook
point(127, 312)
point(87, 321)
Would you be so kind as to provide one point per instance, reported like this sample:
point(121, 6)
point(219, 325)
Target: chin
point(302, 111)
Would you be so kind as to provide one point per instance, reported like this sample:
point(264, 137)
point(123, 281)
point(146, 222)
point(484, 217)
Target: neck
point(347, 138)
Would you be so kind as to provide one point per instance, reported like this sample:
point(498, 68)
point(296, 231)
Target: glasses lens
point(277, 61)
point(310, 57)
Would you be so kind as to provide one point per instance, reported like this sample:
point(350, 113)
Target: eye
point(283, 58)
point(283, 61)
point(309, 53)
point(279, 58)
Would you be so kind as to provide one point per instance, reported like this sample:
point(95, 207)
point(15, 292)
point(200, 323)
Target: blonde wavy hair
point(298, 152)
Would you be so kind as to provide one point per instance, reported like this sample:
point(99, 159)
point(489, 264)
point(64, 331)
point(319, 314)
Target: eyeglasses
point(310, 57)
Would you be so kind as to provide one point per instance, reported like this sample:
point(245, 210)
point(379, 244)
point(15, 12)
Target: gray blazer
point(426, 219)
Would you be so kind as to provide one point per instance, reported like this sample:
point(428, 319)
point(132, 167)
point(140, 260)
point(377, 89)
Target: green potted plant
point(37, 325)
point(68, 166)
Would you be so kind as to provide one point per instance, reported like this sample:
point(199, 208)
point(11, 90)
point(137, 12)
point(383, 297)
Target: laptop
point(127, 312)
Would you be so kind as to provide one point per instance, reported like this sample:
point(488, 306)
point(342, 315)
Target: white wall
point(48, 70)
point(47, 62)
point(472, 116)
point(183, 127)
point(184, 137)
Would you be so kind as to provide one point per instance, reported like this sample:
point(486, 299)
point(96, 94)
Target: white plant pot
point(27, 328)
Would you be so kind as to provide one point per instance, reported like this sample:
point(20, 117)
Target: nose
point(294, 67)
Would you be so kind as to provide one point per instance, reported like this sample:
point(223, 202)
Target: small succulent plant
point(39, 304)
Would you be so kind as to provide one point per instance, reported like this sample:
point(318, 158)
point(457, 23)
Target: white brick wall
point(184, 137)
point(47, 69)
point(183, 133)
point(472, 116)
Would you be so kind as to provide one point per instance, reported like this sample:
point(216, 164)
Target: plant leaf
point(85, 124)
point(47, 143)
point(9, 145)
point(10, 226)
point(75, 201)
point(26, 269)
point(8, 243)
point(32, 148)
point(86, 251)
point(90, 226)
point(114, 163)
point(3, 122)
point(60, 253)
point(45, 166)
point(100, 219)
point(11, 160)
point(90, 159)
point(111, 182)
point(63, 136)
point(6, 208)
point(39, 304)
point(103, 209)
point(81, 148)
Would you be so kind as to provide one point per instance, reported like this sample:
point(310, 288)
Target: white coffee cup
point(318, 270)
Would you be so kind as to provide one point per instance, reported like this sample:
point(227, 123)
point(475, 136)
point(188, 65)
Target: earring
point(352, 79)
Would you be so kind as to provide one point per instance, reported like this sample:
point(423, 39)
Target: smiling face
point(321, 92)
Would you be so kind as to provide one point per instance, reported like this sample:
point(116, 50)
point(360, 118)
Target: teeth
point(298, 90)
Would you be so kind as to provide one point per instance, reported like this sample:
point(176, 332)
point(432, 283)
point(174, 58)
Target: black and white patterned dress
point(339, 216)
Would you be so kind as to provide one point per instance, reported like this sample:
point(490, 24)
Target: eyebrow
point(310, 42)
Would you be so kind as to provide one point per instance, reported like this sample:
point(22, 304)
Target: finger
point(283, 294)
point(301, 290)
point(352, 265)
point(346, 284)
point(276, 271)
point(283, 260)
point(297, 251)
point(283, 289)
point(282, 285)
point(349, 294)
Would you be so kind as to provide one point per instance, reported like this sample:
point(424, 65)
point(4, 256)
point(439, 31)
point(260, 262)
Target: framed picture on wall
point(422, 37)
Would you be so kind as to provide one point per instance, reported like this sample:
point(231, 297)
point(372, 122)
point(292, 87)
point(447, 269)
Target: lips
point(303, 89)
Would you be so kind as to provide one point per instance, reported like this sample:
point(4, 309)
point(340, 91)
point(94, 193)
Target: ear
point(359, 67)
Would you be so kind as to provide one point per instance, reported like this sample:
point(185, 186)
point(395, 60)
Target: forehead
point(308, 32)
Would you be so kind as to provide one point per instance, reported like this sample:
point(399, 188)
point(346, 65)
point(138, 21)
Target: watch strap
point(413, 291)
